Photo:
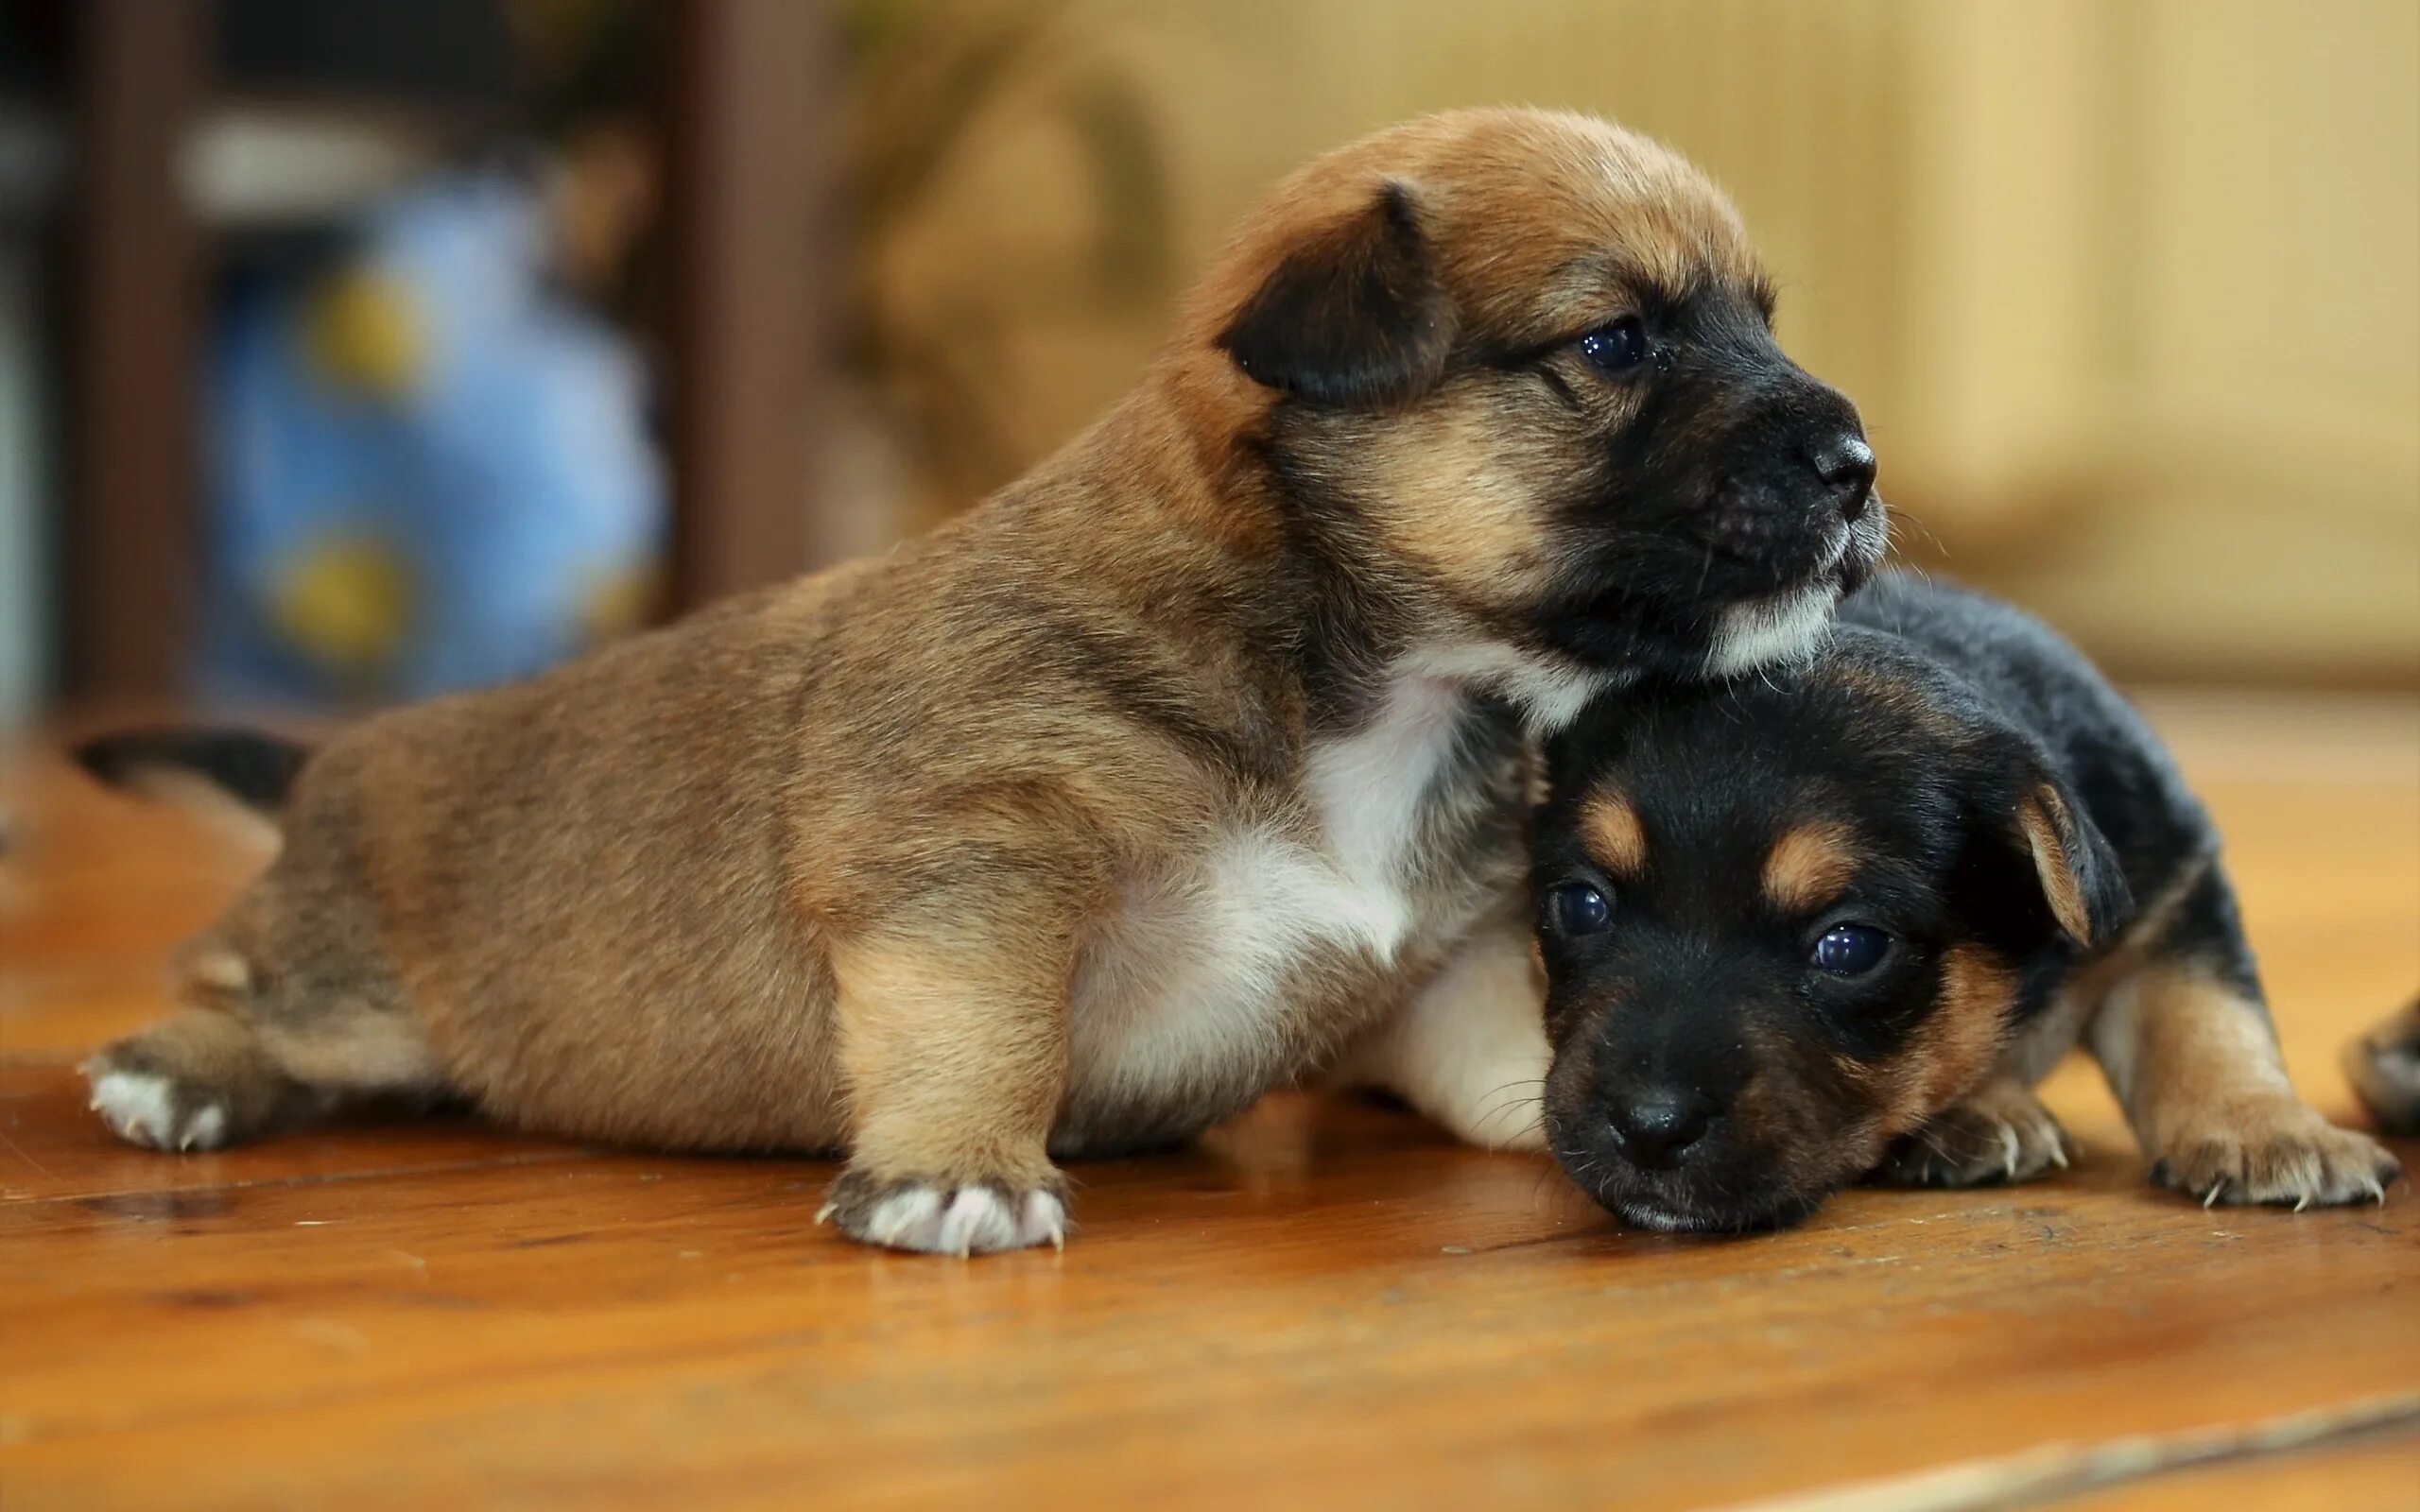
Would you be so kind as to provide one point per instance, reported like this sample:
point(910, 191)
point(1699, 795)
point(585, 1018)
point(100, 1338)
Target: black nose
point(1655, 1126)
point(1845, 464)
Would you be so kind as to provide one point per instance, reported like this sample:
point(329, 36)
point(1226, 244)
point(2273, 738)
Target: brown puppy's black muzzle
point(1822, 463)
point(1792, 496)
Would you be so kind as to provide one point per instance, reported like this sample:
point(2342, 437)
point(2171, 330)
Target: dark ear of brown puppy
point(2081, 877)
point(1355, 315)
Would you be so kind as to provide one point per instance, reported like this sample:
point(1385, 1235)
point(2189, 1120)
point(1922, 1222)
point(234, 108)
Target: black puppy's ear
point(1354, 315)
point(2082, 879)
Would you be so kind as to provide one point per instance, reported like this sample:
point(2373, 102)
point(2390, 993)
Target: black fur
point(1354, 317)
point(257, 770)
point(1703, 498)
point(1934, 719)
point(1712, 479)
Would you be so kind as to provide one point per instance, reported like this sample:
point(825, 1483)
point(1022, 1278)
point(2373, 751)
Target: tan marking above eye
point(1614, 839)
point(1810, 866)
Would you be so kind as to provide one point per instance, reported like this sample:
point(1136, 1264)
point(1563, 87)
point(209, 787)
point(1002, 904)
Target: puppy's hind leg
point(197, 1079)
point(1469, 1049)
point(956, 1053)
point(222, 1070)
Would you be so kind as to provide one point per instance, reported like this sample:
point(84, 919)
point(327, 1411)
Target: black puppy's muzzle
point(1651, 1135)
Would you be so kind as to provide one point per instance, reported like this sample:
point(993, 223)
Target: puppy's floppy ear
point(2082, 879)
point(1354, 315)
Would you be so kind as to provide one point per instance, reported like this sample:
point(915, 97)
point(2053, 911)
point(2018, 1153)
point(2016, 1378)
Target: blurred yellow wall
point(2130, 291)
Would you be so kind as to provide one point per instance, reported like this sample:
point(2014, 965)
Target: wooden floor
point(1322, 1302)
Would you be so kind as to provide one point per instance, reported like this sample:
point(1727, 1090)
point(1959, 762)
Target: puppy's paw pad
point(2002, 1138)
point(2285, 1158)
point(978, 1219)
point(146, 1108)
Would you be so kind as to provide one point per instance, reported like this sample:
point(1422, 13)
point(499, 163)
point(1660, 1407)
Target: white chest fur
point(1184, 995)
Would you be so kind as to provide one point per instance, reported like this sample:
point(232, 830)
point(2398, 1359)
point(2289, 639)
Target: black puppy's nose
point(1655, 1126)
point(1845, 464)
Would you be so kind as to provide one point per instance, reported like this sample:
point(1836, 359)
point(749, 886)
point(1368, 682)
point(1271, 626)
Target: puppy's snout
point(1845, 465)
point(1656, 1125)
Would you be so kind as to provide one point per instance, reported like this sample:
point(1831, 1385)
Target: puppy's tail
point(236, 777)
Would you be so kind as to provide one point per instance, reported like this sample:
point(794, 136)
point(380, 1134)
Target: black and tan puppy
point(1189, 764)
point(1841, 919)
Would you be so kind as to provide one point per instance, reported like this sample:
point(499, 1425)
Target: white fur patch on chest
point(1187, 990)
point(1549, 693)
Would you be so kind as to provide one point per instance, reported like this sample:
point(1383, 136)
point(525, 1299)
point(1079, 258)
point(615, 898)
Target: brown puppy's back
point(593, 891)
point(574, 888)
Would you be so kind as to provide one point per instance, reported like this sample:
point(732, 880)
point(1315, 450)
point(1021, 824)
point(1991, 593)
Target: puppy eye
point(1577, 908)
point(1851, 950)
point(1620, 349)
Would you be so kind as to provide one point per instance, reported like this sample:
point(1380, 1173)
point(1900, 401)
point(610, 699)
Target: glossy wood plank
point(1325, 1300)
point(2377, 1473)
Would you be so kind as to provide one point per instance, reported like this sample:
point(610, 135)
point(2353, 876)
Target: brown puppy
point(1189, 764)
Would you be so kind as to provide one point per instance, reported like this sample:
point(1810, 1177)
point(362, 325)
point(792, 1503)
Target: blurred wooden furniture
point(134, 349)
point(1324, 1304)
point(750, 163)
point(744, 88)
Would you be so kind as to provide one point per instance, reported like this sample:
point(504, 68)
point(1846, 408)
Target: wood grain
point(1324, 1300)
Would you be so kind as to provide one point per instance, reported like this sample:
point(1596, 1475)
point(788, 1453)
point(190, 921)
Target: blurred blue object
point(429, 469)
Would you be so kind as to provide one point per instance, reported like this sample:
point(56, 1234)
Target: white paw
point(141, 1109)
point(971, 1220)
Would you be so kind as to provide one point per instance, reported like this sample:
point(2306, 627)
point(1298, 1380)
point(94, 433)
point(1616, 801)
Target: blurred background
point(352, 350)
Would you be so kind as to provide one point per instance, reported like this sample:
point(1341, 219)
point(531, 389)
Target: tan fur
point(2198, 1068)
point(232, 821)
point(1906, 700)
point(1519, 258)
point(887, 860)
point(1810, 866)
point(2040, 818)
point(2036, 1049)
point(1955, 1046)
point(1615, 839)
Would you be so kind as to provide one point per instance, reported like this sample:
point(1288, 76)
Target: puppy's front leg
point(1469, 1049)
point(2194, 1061)
point(956, 1053)
point(1998, 1132)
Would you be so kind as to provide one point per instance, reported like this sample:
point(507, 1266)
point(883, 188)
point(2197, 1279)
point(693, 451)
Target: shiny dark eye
point(1578, 909)
point(1851, 950)
point(1618, 351)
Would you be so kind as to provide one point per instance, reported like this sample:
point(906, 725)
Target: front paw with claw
point(2280, 1154)
point(1998, 1133)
